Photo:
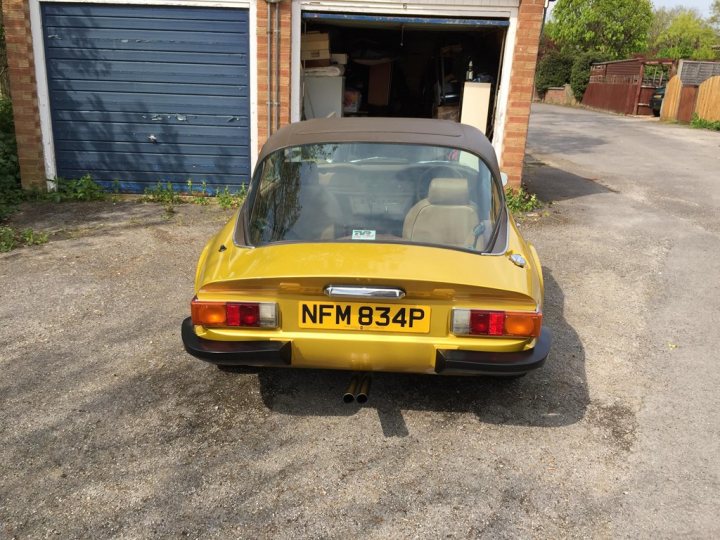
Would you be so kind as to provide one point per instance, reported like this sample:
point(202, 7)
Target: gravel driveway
point(108, 429)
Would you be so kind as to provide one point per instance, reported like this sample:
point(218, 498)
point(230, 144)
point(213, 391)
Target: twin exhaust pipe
point(358, 390)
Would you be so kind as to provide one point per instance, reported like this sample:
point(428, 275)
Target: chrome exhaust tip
point(363, 391)
point(349, 395)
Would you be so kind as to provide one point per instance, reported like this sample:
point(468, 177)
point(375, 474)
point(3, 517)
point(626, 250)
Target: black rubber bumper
point(236, 353)
point(454, 362)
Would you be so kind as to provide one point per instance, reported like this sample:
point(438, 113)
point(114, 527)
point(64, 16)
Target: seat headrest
point(449, 191)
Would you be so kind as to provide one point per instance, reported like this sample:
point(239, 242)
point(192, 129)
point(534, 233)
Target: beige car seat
point(446, 217)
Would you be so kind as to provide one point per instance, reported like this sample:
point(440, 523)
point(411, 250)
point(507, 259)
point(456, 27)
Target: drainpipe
point(273, 66)
point(269, 72)
point(276, 35)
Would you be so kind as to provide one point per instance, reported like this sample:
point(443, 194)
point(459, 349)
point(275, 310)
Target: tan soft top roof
point(423, 131)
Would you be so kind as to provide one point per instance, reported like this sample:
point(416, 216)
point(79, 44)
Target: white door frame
point(43, 93)
point(425, 9)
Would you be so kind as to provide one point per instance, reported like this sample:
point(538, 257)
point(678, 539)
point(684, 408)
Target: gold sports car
point(371, 244)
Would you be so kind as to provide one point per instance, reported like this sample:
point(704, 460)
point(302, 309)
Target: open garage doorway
point(400, 66)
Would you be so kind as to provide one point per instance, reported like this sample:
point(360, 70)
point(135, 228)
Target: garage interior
point(416, 67)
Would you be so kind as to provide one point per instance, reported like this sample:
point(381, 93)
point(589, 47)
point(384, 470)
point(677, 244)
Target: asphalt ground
point(109, 429)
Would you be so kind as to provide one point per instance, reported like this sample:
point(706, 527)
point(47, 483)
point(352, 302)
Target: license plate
point(357, 316)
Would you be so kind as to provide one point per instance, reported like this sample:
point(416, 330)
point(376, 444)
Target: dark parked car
point(656, 100)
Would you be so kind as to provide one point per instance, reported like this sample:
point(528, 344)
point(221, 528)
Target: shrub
point(80, 189)
point(580, 73)
point(701, 123)
point(10, 192)
point(520, 201)
point(553, 70)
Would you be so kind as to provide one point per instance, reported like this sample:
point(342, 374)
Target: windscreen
point(374, 192)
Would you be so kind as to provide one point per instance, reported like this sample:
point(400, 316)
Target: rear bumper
point(493, 363)
point(447, 362)
point(236, 353)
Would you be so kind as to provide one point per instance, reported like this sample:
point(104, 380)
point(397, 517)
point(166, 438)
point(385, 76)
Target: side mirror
point(504, 178)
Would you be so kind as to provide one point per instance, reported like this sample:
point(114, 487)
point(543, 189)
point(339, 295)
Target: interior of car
point(375, 198)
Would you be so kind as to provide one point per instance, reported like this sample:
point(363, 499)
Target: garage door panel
point(224, 59)
point(80, 85)
point(164, 135)
point(90, 38)
point(68, 23)
point(146, 72)
point(97, 11)
point(158, 162)
point(154, 118)
point(150, 103)
point(145, 147)
point(141, 94)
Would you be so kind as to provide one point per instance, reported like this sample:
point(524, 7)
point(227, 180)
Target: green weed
point(81, 189)
point(520, 201)
point(11, 238)
point(162, 193)
point(227, 199)
point(701, 123)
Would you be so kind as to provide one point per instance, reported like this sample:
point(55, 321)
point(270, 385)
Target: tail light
point(475, 322)
point(234, 314)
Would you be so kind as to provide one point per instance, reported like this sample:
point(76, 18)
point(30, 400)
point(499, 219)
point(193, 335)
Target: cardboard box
point(317, 63)
point(341, 59)
point(315, 46)
point(447, 112)
point(379, 86)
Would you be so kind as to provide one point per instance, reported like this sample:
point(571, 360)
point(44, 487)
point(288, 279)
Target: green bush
point(701, 123)
point(10, 192)
point(580, 73)
point(81, 189)
point(520, 201)
point(552, 70)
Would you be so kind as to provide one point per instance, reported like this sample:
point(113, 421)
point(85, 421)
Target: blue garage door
point(142, 94)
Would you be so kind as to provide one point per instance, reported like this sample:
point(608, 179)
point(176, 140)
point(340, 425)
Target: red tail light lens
point(487, 323)
point(475, 322)
point(243, 314)
point(231, 314)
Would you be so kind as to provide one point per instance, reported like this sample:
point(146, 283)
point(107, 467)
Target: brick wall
point(21, 70)
point(27, 119)
point(522, 80)
point(262, 67)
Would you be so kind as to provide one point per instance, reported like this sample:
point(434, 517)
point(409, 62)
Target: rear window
point(374, 192)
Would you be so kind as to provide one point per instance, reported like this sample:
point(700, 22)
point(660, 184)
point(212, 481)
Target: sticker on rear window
point(363, 234)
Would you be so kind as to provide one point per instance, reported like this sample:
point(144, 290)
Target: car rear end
point(335, 315)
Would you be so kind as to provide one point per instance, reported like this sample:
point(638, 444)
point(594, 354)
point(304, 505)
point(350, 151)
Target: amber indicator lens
point(207, 313)
point(475, 322)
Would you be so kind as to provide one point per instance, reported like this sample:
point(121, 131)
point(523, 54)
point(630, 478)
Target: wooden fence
point(708, 100)
point(682, 102)
point(671, 101)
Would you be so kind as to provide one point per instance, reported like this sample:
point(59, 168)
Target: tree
point(715, 14)
point(580, 74)
point(661, 21)
point(613, 28)
point(687, 36)
point(552, 70)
